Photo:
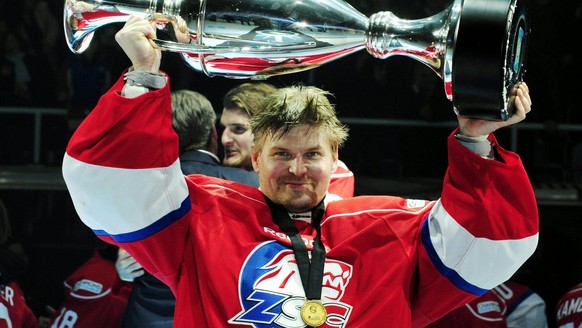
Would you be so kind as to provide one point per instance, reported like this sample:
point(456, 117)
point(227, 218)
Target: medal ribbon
point(311, 272)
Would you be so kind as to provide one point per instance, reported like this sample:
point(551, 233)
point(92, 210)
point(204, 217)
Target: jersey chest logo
point(271, 293)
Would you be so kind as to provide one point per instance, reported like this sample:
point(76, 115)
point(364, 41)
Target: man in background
point(152, 303)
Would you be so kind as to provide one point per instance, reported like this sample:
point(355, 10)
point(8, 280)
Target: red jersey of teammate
point(569, 308)
point(341, 183)
point(14, 312)
point(508, 305)
point(94, 297)
point(485, 312)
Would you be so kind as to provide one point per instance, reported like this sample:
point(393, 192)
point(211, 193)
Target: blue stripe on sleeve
point(518, 301)
point(451, 274)
point(153, 228)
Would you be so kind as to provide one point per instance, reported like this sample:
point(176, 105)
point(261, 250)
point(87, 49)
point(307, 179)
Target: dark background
point(407, 160)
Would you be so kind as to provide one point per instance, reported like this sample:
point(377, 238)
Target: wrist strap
point(462, 137)
point(145, 79)
point(479, 145)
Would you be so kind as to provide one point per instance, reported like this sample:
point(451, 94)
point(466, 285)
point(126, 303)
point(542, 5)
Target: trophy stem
point(428, 40)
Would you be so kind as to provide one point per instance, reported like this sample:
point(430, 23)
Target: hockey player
point(279, 256)
point(239, 105)
point(569, 308)
point(95, 297)
point(14, 311)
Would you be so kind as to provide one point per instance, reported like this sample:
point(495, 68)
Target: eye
point(238, 128)
point(281, 153)
point(312, 154)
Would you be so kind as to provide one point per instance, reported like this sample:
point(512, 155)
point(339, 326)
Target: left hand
point(471, 127)
point(135, 38)
point(127, 267)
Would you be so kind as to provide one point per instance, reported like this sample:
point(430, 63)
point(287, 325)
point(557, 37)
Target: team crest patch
point(486, 307)
point(271, 293)
point(88, 285)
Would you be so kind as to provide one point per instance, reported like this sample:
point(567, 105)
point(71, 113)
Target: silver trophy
point(477, 47)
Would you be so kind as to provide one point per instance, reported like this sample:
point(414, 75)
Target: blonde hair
point(247, 97)
point(293, 106)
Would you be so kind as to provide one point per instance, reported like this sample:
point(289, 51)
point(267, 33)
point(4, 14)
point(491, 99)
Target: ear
point(255, 158)
point(335, 157)
point(214, 133)
point(214, 141)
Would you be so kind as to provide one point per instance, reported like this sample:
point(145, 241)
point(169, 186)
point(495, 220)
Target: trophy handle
point(255, 48)
point(82, 19)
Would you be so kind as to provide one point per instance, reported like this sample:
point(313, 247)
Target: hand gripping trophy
point(477, 47)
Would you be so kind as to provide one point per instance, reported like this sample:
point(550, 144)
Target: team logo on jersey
point(489, 306)
point(88, 285)
point(271, 292)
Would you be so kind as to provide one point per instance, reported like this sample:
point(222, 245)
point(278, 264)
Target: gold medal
point(313, 313)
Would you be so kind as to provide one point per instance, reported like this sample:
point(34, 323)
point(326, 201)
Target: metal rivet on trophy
point(477, 47)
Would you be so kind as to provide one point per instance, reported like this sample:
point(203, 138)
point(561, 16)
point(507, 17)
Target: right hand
point(135, 38)
point(476, 127)
point(127, 267)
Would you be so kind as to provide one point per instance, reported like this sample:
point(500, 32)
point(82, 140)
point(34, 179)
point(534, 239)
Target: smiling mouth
point(296, 185)
point(230, 153)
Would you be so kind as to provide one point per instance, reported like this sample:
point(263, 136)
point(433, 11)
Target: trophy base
point(489, 58)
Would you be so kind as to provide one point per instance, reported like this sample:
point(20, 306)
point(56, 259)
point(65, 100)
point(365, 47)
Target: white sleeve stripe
point(123, 202)
point(451, 274)
point(157, 226)
point(464, 257)
point(79, 296)
point(516, 303)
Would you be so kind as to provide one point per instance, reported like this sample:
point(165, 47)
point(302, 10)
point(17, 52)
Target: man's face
point(236, 138)
point(295, 169)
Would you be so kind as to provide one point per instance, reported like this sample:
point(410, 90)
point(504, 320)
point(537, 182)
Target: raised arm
point(121, 165)
point(485, 226)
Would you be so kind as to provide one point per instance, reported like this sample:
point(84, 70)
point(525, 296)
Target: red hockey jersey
point(510, 305)
point(14, 312)
point(569, 308)
point(342, 183)
point(229, 265)
point(95, 297)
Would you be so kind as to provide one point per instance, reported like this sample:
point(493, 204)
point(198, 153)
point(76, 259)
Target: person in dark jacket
point(151, 303)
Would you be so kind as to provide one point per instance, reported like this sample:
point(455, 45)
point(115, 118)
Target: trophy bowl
point(477, 47)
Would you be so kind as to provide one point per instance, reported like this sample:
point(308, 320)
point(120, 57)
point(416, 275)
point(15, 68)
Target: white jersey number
point(66, 319)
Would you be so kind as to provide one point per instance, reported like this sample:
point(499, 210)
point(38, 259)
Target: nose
point(225, 138)
point(297, 166)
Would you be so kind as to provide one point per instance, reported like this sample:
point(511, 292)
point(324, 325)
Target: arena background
point(398, 116)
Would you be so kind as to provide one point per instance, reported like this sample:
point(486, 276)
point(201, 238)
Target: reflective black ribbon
point(311, 272)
